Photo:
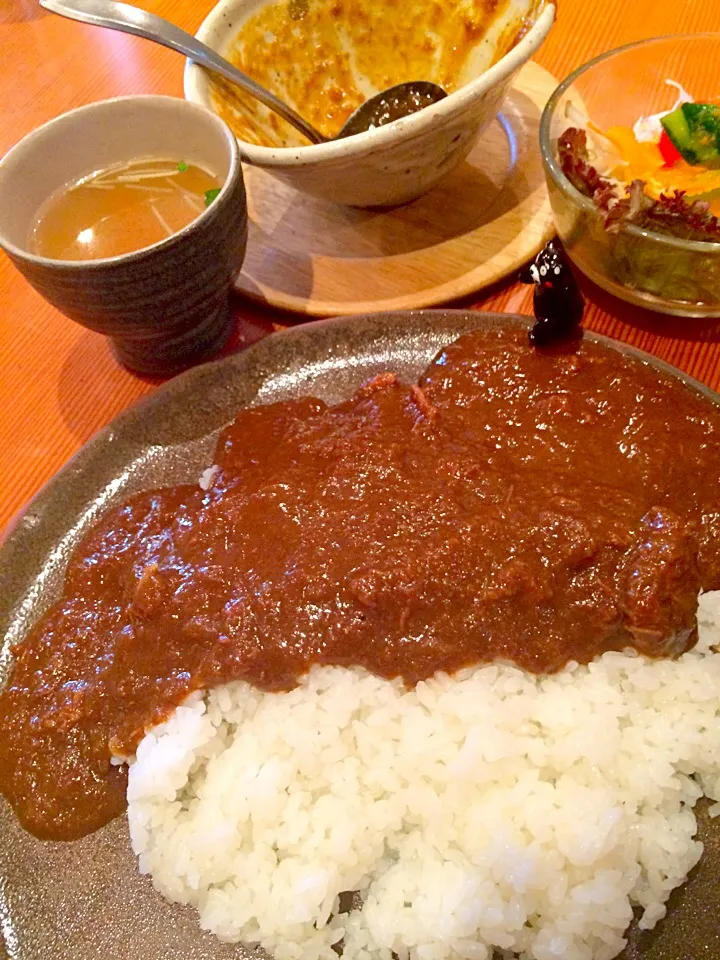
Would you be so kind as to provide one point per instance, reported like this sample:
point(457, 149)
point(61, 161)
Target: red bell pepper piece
point(668, 150)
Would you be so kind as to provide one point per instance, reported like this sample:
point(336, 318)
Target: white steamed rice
point(490, 810)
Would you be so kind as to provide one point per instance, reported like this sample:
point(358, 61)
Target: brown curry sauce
point(533, 506)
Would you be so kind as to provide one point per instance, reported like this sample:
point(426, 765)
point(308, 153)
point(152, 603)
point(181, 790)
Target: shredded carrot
point(644, 161)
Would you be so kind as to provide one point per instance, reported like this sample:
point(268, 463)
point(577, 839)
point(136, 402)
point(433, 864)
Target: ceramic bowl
point(649, 269)
point(163, 306)
point(398, 162)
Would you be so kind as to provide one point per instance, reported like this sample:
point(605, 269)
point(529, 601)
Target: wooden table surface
point(59, 384)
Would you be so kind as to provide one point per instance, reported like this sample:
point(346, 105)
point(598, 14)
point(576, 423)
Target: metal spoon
point(391, 104)
point(382, 108)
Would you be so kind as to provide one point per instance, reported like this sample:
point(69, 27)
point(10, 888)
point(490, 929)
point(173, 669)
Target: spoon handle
point(129, 19)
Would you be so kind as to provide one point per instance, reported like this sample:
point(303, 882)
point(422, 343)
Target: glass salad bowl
point(658, 268)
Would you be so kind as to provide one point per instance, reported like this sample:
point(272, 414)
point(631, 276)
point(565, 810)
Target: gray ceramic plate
point(85, 900)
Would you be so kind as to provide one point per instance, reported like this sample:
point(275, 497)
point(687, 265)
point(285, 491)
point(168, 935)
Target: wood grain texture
point(480, 224)
point(59, 384)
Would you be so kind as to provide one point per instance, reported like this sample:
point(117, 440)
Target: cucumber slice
point(676, 127)
point(694, 129)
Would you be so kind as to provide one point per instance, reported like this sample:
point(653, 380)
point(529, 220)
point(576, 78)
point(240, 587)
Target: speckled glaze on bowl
point(86, 900)
point(166, 305)
point(395, 163)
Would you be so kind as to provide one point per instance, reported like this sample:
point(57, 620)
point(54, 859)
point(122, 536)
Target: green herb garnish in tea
point(210, 195)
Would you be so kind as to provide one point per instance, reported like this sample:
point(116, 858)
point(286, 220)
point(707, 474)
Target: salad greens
point(672, 214)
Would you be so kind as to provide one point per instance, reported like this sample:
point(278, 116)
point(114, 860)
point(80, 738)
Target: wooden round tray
point(479, 225)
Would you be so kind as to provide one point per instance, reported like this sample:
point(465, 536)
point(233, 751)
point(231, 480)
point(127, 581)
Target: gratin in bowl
point(661, 273)
point(404, 159)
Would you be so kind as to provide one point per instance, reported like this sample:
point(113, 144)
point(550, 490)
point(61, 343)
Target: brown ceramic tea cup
point(163, 306)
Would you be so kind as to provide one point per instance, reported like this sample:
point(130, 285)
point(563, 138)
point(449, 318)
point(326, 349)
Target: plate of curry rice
point(393, 636)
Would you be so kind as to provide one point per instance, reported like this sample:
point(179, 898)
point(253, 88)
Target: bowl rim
point(553, 168)
point(403, 129)
point(149, 100)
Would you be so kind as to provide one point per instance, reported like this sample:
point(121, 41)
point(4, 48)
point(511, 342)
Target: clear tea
point(122, 209)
